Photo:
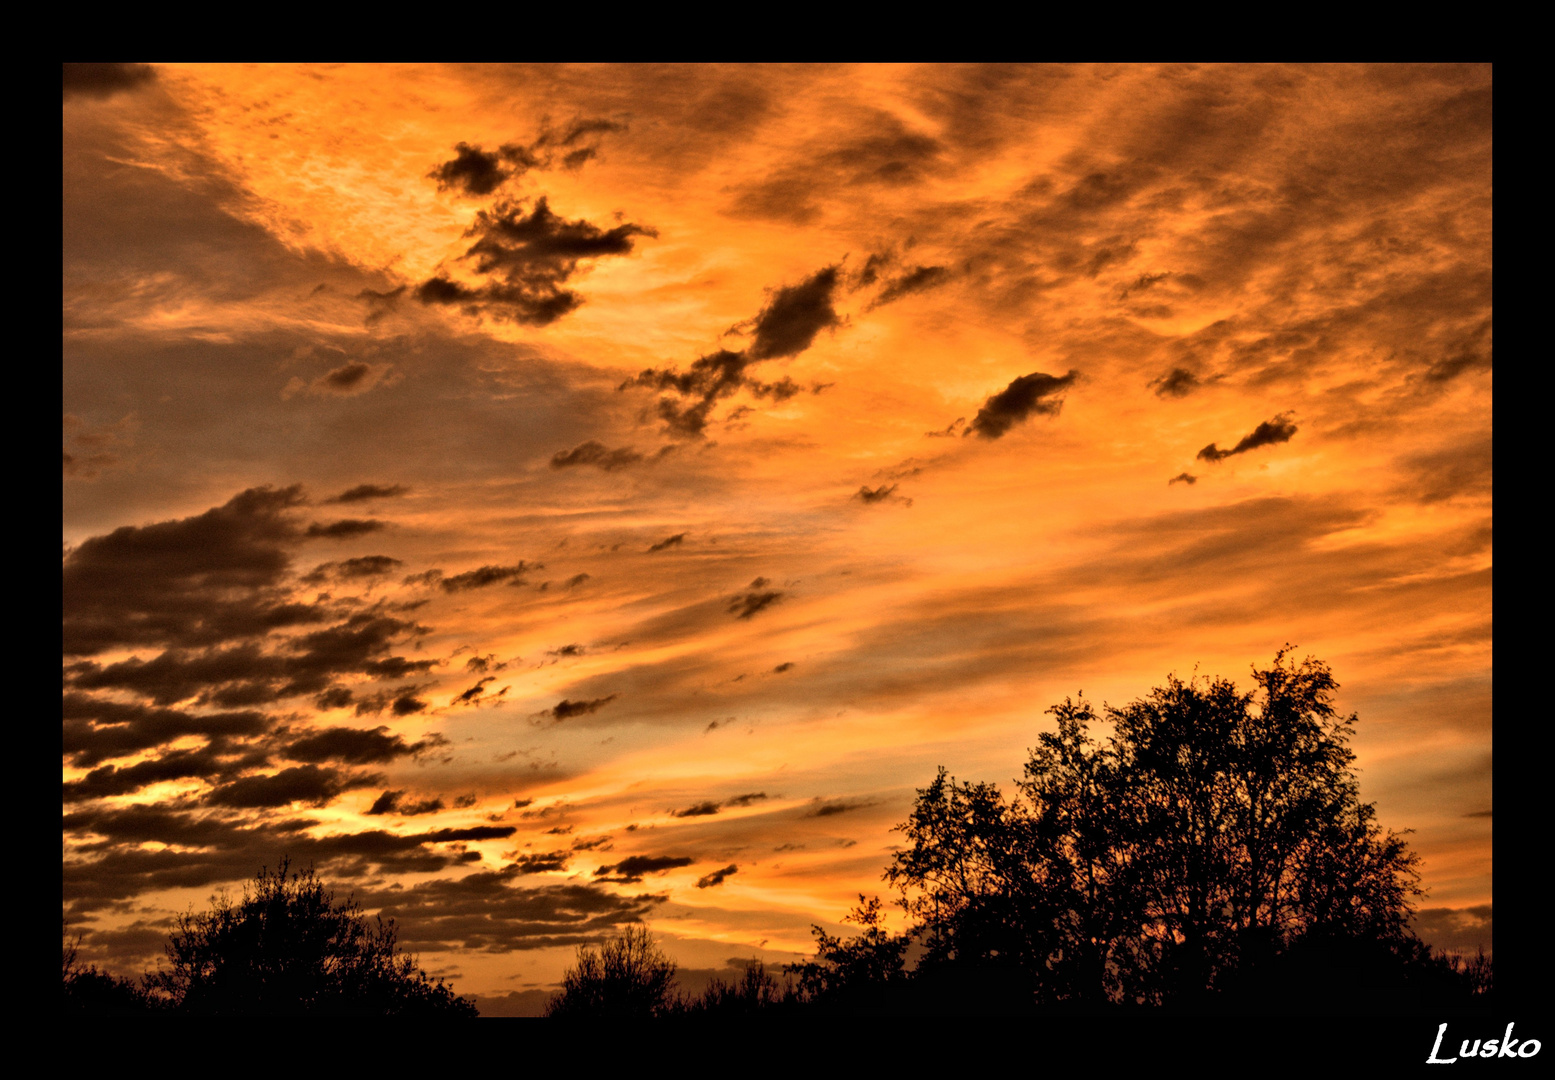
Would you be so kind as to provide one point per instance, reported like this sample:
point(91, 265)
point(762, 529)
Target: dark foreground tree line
point(1211, 854)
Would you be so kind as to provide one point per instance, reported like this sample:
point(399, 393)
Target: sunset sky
point(543, 498)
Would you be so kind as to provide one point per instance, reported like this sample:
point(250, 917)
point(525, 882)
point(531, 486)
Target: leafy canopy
point(1210, 834)
point(289, 948)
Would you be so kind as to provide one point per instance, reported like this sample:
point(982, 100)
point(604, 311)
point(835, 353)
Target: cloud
point(309, 784)
point(348, 380)
point(1183, 478)
point(355, 746)
point(746, 799)
point(203, 764)
point(486, 575)
point(344, 529)
point(747, 604)
point(1179, 382)
point(701, 809)
point(528, 254)
point(716, 877)
point(196, 581)
point(542, 862)
point(883, 493)
point(789, 322)
point(631, 870)
point(363, 492)
point(836, 806)
point(596, 454)
point(1024, 396)
point(102, 81)
point(1268, 433)
point(668, 542)
point(918, 279)
point(484, 911)
point(364, 566)
point(566, 710)
point(247, 675)
point(393, 802)
point(96, 729)
point(474, 171)
point(786, 326)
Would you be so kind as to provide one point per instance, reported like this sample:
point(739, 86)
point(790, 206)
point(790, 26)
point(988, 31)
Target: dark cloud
point(596, 454)
point(345, 529)
point(566, 710)
point(363, 492)
point(478, 172)
point(367, 566)
point(1461, 470)
point(486, 575)
point(527, 255)
point(785, 666)
point(347, 376)
point(1179, 382)
point(485, 911)
point(247, 675)
point(883, 493)
point(794, 316)
point(475, 691)
point(746, 605)
point(630, 871)
point(542, 862)
point(355, 746)
point(576, 580)
point(746, 799)
point(1024, 396)
point(887, 153)
point(394, 802)
point(700, 809)
point(918, 279)
point(716, 877)
point(195, 581)
point(201, 764)
point(380, 304)
point(1183, 478)
point(786, 326)
point(104, 80)
point(309, 784)
point(1268, 433)
point(474, 171)
point(1462, 930)
point(96, 729)
point(566, 650)
point(668, 541)
point(835, 806)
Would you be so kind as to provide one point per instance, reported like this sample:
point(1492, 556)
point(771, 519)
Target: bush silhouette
point(289, 948)
point(625, 978)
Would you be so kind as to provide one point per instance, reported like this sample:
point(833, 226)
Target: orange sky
point(1014, 382)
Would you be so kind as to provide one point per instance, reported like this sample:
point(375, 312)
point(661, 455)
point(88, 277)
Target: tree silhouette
point(625, 978)
point(1214, 844)
point(89, 991)
point(289, 948)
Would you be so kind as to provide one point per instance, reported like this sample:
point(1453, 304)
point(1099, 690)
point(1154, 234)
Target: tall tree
point(1211, 833)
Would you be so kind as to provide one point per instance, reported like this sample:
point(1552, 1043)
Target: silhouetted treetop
point(1207, 836)
point(289, 948)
